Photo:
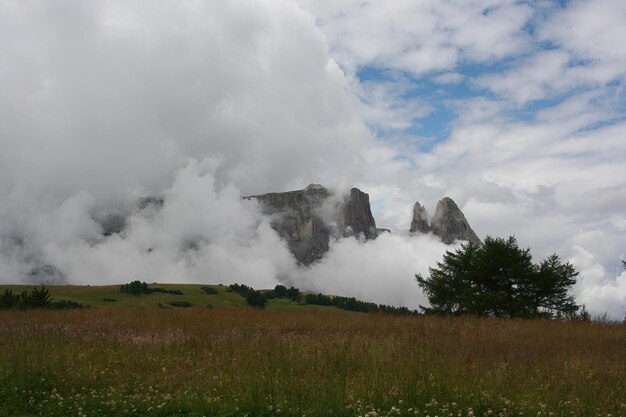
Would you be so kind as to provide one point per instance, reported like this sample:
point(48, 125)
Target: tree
point(8, 299)
point(499, 279)
point(38, 298)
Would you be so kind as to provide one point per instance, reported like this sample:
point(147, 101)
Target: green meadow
point(96, 296)
point(122, 359)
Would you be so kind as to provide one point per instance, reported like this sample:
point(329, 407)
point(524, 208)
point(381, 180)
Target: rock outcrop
point(357, 215)
point(419, 223)
point(307, 219)
point(450, 224)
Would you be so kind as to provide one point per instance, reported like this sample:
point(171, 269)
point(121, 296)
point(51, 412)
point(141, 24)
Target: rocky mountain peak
point(419, 222)
point(307, 219)
point(450, 224)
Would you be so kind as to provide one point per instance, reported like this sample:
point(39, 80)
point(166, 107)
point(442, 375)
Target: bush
point(208, 290)
point(138, 288)
point(135, 288)
point(253, 297)
point(35, 298)
point(66, 305)
point(180, 304)
point(109, 300)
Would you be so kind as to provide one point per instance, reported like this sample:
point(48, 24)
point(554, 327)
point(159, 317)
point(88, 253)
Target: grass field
point(95, 295)
point(240, 361)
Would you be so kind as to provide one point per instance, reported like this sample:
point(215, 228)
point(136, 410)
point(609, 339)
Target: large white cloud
point(102, 103)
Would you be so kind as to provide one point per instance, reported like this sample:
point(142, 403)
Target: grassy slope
point(94, 295)
point(248, 362)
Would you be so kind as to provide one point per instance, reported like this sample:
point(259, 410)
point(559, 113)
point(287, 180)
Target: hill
point(100, 296)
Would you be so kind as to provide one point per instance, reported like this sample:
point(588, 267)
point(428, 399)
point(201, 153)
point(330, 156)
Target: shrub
point(253, 297)
point(208, 290)
point(138, 288)
point(66, 305)
point(135, 288)
point(180, 304)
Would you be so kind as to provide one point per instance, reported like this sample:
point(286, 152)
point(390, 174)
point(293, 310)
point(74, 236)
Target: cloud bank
point(499, 106)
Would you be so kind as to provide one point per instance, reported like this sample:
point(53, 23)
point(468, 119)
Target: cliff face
point(419, 223)
point(450, 224)
point(307, 219)
point(358, 215)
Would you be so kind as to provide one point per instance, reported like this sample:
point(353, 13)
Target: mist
point(197, 104)
point(200, 232)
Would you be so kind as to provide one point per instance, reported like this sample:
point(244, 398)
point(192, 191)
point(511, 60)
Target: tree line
point(259, 299)
point(36, 298)
point(138, 288)
point(352, 304)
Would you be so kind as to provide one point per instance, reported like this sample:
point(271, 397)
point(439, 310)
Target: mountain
point(307, 219)
point(419, 223)
point(450, 224)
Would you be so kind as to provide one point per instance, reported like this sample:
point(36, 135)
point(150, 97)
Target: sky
point(515, 109)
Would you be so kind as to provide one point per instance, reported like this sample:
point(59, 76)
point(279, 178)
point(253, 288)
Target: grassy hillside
point(248, 362)
point(95, 296)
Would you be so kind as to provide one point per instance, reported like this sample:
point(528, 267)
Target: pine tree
point(499, 279)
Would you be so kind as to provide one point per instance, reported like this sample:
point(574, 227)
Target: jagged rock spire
point(419, 223)
point(450, 224)
point(300, 219)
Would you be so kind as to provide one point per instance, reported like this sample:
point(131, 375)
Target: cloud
point(387, 107)
point(104, 103)
point(105, 96)
point(375, 270)
point(448, 78)
point(420, 37)
point(598, 289)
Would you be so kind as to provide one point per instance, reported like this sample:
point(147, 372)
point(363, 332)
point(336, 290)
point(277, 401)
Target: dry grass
point(134, 361)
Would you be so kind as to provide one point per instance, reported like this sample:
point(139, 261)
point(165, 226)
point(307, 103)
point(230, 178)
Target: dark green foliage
point(352, 304)
point(38, 298)
point(34, 299)
point(280, 291)
point(180, 303)
point(208, 290)
point(135, 288)
point(138, 288)
point(66, 305)
point(8, 299)
point(109, 300)
point(253, 297)
point(293, 293)
point(499, 279)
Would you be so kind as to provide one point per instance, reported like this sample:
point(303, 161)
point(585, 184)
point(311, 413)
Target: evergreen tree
point(499, 279)
point(38, 298)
